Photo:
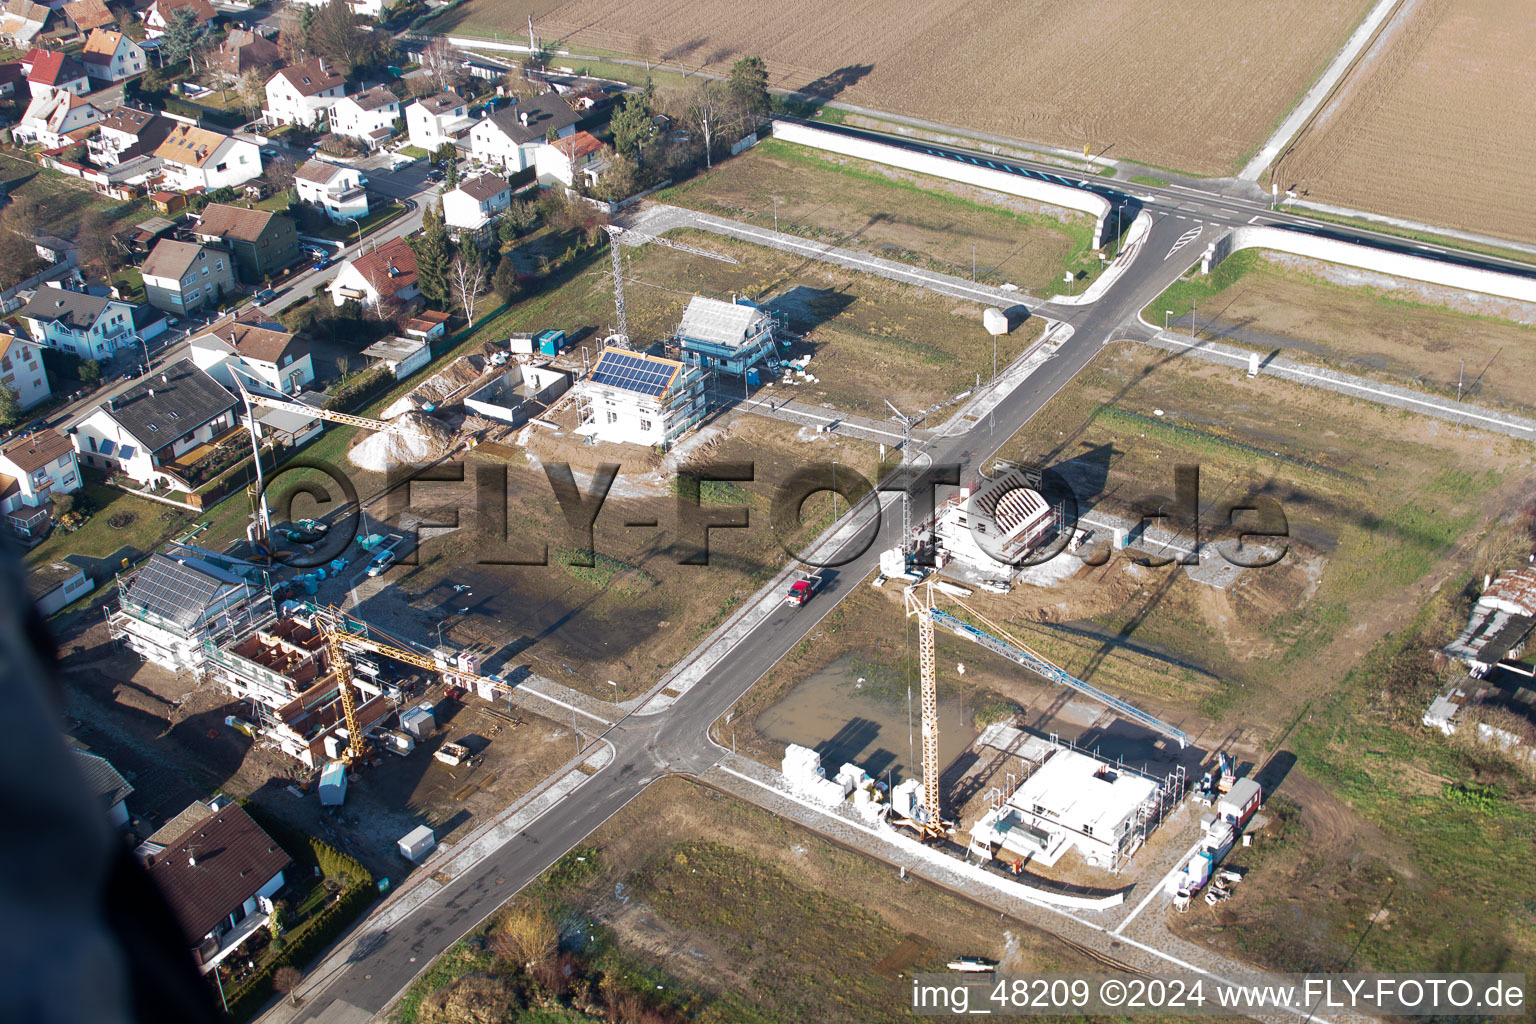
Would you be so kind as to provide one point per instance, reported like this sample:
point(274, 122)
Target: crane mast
point(920, 604)
point(621, 319)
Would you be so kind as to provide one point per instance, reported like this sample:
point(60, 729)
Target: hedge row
point(360, 389)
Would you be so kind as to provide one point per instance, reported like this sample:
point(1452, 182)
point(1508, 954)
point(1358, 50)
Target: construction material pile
point(441, 387)
point(430, 442)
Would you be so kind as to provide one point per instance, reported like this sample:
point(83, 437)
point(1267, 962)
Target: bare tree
point(293, 32)
point(286, 980)
point(442, 64)
point(645, 49)
point(251, 91)
point(98, 249)
point(709, 110)
point(467, 278)
point(279, 172)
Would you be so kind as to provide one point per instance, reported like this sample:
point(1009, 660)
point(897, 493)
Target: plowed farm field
point(1439, 127)
point(1190, 86)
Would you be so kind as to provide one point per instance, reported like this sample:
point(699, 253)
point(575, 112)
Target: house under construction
point(184, 597)
point(993, 524)
point(283, 670)
point(635, 398)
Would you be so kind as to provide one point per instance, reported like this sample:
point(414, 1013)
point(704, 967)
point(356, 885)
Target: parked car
point(323, 262)
point(436, 174)
point(172, 321)
point(381, 564)
point(264, 296)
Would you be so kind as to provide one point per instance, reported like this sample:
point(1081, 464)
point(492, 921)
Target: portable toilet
point(333, 784)
point(417, 843)
point(311, 586)
point(753, 378)
point(551, 343)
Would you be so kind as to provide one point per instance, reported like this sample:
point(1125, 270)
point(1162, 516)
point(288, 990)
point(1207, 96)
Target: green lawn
point(1149, 180)
point(148, 528)
point(377, 218)
point(414, 152)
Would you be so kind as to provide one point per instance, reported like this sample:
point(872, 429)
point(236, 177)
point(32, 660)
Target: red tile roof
point(577, 146)
point(54, 68)
point(391, 268)
point(31, 454)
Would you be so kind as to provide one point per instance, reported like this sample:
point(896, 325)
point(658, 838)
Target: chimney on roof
point(165, 378)
point(522, 117)
point(151, 392)
point(191, 858)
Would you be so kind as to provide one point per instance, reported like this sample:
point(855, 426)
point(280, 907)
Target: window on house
point(613, 417)
point(645, 425)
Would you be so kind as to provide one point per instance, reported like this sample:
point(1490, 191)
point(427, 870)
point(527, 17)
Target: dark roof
point(544, 112)
point(373, 99)
point(243, 50)
point(220, 220)
point(73, 309)
point(43, 580)
point(179, 590)
point(129, 120)
point(169, 403)
point(311, 77)
point(218, 865)
point(441, 103)
point(30, 454)
point(484, 187)
point(254, 341)
point(105, 781)
point(318, 171)
point(170, 258)
point(180, 825)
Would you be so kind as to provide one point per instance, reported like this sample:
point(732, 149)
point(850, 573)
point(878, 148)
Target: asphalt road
point(677, 741)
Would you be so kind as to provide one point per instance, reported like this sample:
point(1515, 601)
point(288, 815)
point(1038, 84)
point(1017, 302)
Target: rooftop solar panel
point(173, 591)
point(630, 372)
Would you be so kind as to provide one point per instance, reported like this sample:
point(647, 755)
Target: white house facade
point(193, 158)
point(434, 120)
point(334, 188)
point(21, 370)
point(510, 136)
point(90, 326)
point(368, 116)
point(303, 93)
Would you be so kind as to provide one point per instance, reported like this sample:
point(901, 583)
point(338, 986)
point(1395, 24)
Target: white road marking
point(1184, 239)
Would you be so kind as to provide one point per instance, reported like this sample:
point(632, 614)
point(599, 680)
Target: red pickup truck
point(801, 590)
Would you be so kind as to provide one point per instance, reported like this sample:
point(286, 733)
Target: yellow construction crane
point(919, 600)
point(341, 639)
point(382, 426)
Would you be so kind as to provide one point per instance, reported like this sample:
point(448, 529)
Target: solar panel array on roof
point(630, 372)
point(174, 591)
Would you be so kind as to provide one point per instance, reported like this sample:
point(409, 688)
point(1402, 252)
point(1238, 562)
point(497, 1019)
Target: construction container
point(397, 742)
point(521, 344)
point(333, 784)
point(551, 343)
point(1238, 803)
point(418, 721)
point(417, 843)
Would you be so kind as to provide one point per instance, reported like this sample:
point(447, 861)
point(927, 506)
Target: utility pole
point(1460, 374)
point(775, 214)
point(973, 263)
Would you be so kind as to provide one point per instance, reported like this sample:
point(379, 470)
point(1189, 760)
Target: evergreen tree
point(434, 252)
point(504, 282)
point(749, 90)
point(631, 125)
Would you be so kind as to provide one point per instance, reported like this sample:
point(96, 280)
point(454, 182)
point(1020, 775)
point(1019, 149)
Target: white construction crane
point(614, 232)
point(907, 423)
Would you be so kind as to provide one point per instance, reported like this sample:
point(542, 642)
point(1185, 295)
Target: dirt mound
point(431, 441)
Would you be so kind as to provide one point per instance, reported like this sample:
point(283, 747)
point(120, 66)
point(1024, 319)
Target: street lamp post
point(1166, 314)
point(775, 214)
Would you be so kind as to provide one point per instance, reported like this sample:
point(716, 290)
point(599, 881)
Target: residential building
point(111, 789)
point(469, 211)
point(90, 326)
point(334, 188)
point(55, 586)
point(434, 120)
point(157, 14)
point(243, 51)
point(385, 272)
point(55, 120)
point(731, 337)
point(264, 243)
point(576, 156)
point(368, 117)
point(22, 370)
point(111, 56)
point(125, 133)
point(402, 356)
point(282, 674)
point(51, 71)
point(183, 597)
point(157, 431)
point(510, 136)
point(21, 21)
point(634, 398)
point(278, 361)
point(181, 277)
point(992, 525)
point(303, 93)
point(197, 158)
point(219, 880)
point(32, 470)
point(1072, 801)
point(12, 78)
point(89, 14)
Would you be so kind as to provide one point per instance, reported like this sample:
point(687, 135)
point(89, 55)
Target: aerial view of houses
point(489, 488)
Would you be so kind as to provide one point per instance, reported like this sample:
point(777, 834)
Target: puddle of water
point(843, 721)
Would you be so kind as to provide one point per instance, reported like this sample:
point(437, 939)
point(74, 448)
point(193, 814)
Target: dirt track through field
point(1195, 87)
point(1439, 127)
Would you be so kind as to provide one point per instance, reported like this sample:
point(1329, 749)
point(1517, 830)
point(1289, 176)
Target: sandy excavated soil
point(1438, 128)
point(1190, 86)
